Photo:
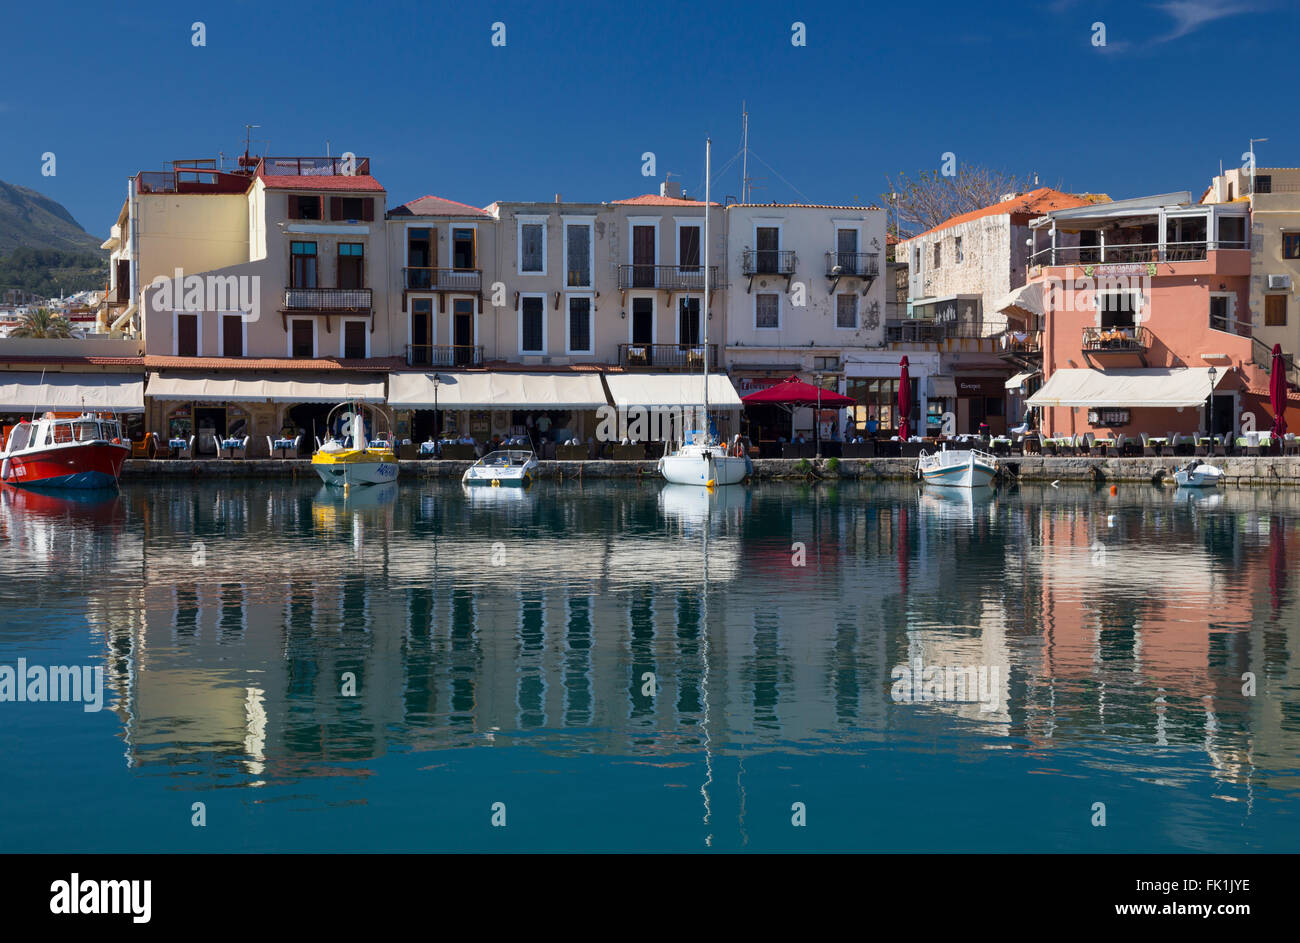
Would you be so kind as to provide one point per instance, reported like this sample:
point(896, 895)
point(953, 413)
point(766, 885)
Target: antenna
point(744, 152)
point(247, 161)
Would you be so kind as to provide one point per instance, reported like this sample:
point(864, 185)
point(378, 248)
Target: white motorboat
point(958, 468)
point(1198, 475)
point(505, 468)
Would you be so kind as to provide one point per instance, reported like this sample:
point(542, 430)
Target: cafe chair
point(1149, 449)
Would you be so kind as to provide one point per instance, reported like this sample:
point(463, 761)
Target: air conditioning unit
point(1279, 282)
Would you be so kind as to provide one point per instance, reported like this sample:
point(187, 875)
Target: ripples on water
point(501, 644)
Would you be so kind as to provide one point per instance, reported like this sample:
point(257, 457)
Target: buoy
point(710, 484)
point(1114, 490)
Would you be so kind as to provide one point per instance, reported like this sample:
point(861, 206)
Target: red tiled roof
point(437, 206)
point(654, 199)
point(160, 362)
point(88, 361)
point(812, 206)
point(360, 182)
point(1034, 203)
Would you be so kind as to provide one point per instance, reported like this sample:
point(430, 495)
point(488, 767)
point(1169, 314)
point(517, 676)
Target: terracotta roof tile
point(89, 361)
point(1034, 203)
point(358, 183)
point(160, 362)
point(654, 199)
point(811, 206)
point(437, 206)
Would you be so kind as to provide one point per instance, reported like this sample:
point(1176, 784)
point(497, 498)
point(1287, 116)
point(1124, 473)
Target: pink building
point(1144, 310)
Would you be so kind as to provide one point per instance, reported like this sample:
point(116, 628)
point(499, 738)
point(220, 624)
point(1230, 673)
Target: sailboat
point(700, 459)
point(351, 458)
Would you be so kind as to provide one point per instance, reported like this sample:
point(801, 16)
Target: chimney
point(671, 189)
point(557, 198)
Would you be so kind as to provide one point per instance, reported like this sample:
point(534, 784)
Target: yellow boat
point(348, 457)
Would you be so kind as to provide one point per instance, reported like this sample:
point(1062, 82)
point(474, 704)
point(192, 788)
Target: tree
point(42, 323)
point(925, 200)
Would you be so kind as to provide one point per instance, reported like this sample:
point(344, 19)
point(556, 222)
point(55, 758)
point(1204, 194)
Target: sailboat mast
point(708, 150)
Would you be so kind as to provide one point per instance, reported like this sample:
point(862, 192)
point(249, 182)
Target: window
point(1291, 245)
point(354, 340)
point(351, 265)
point(232, 335)
point(643, 320)
point(352, 209)
point(1221, 312)
point(846, 310)
point(462, 248)
point(877, 409)
point(580, 325)
point(937, 256)
point(532, 248)
point(577, 255)
point(1263, 183)
point(767, 310)
point(187, 335)
point(1275, 310)
point(302, 338)
point(419, 258)
point(768, 240)
point(957, 253)
point(421, 330)
point(916, 259)
point(846, 250)
point(532, 325)
point(688, 321)
point(1232, 232)
point(302, 273)
point(304, 207)
point(828, 364)
point(1118, 308)
point(688, 248)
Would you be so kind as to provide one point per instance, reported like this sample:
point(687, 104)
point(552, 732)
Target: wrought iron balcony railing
point(1116, 338)
point(768, 262)
point(667, 277)
point(443, 279)
point(852, 264)
point(327, 299)
point(444, 355)
point(667, 356)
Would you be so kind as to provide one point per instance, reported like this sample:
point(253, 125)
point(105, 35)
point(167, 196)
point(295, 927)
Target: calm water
point(500, 643)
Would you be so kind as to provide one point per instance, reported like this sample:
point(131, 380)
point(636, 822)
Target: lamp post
point(437, 419)
point(817, 416)
point(1209, 404)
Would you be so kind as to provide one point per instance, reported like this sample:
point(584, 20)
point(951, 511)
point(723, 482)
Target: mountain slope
point(32, 220)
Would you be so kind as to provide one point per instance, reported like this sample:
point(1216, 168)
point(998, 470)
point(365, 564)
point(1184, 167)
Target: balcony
point(768, 262)
point(443, 279)
point(1132, 253)
point(666, 277)
point(444, 355)
point(1122, 339)
point(852, 264)
point(927, 331)
point(666, 356)
point(328, 300)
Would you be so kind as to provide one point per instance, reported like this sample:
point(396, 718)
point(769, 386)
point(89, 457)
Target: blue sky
point(581, 90)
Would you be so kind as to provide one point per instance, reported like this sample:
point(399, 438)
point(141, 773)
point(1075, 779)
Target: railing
point(1132, 253)
point(768, 262)
point(1116, 338)
point(853, 264)
point(666, 277)
point(315, 166)
point(1262, 354)
point(443, 279)
point(667, 356)
point(922, 331)
point(1022, 342)
point(327, 299)
point(444, 355)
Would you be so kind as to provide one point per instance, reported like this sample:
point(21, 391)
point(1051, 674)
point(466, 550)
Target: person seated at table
point(799, 439)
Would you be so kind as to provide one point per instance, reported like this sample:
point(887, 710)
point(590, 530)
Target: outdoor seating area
point(231, 447)
point(281, 447)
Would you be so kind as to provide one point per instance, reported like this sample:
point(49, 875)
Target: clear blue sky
point(581, 90)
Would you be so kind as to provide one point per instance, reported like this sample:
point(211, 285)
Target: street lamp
point(437, 419)
point(1209, 404)
point(817, 416)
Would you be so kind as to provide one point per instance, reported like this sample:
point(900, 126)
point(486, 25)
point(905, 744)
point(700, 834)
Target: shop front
point(873, 381)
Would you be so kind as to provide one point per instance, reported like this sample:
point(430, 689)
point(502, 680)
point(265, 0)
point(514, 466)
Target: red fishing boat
point(84, 451)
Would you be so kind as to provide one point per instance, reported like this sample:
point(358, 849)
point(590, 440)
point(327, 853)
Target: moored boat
point(1198, 475)
point(505, 468)
point(348, 457)
point(85, 451)
point(958, 468)
point(701, 461)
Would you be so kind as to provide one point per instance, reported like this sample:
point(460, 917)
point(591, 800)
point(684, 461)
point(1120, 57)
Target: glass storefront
point(877, 409)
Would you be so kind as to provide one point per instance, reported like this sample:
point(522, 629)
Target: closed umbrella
point(1277, 392)
point(904, 401)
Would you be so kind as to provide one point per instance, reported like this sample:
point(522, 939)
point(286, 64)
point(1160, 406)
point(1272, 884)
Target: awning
point(1157, 386)
point(671, 389)
point(69, 392)
point(262, 388)
point(1015, 382)
point(496, 391)
point(1025, 301)
point(942, 387)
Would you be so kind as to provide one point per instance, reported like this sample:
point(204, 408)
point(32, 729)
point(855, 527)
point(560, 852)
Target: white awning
point(942, 387)
point(1156, 386)
point(68, 392)
point(671, 389)
point(1027, 300)
point(496, 391)
point(260, 388)
point(1019, 378)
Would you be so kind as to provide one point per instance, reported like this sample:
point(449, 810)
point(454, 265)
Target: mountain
point(31, 220)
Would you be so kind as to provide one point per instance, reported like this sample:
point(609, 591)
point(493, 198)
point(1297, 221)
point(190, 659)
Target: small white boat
point(505, 468)
point(1195, 475)
point(700, 461)
point(958, 468)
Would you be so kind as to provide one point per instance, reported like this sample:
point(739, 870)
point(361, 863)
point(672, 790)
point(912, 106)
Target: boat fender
point(4, 470)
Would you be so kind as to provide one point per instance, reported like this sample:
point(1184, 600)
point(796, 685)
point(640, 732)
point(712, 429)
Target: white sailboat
point(700, 459)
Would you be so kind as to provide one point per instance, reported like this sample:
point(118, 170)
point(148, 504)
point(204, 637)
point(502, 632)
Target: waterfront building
point(1145, 304)
point(805, 296)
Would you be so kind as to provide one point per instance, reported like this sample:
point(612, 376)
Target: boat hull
point(89, 465)
point(499, 478)
point(1196, 478)
point(971, 473)
point(354, 468)
point(695, 469)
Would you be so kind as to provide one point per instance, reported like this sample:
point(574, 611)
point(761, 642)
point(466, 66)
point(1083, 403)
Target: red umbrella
point(904, 401)
point(1277, 391)
point(795, 392)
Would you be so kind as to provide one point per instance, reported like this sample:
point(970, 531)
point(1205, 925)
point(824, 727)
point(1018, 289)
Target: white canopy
point(1019, 378)
point(496, 391)
point(261, 388)
point(671, 389)
point(1154, 386)
point(1025, 300)
point(68, 392)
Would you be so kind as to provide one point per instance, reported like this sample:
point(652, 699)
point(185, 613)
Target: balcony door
point(302, 273)
point(463, 330)
point(768, 242)
point(846, 247)
point(420, 257)
point(643, 256)
point(351, 265)
point(421, 330)
point(643, 321)
point(688, 321)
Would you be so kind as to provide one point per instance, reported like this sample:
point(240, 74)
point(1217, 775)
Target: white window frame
point(198, 333)
point(288, 340)
point(221, 332)
point(521, 222)
point(343, 334)
point(591, 321)
point(590, 223)
point(433, 319)
point(654, 316)
point(857, 311)
point(519, 325)
point(677, 317)
point(688, 222)
point(780, 313)
point(1139, 304)
point(1232, 310)
point(451, 243)
point(451, 318)
point(635, 221)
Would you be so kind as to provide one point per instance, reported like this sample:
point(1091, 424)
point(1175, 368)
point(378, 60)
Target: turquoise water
point(498, 645)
